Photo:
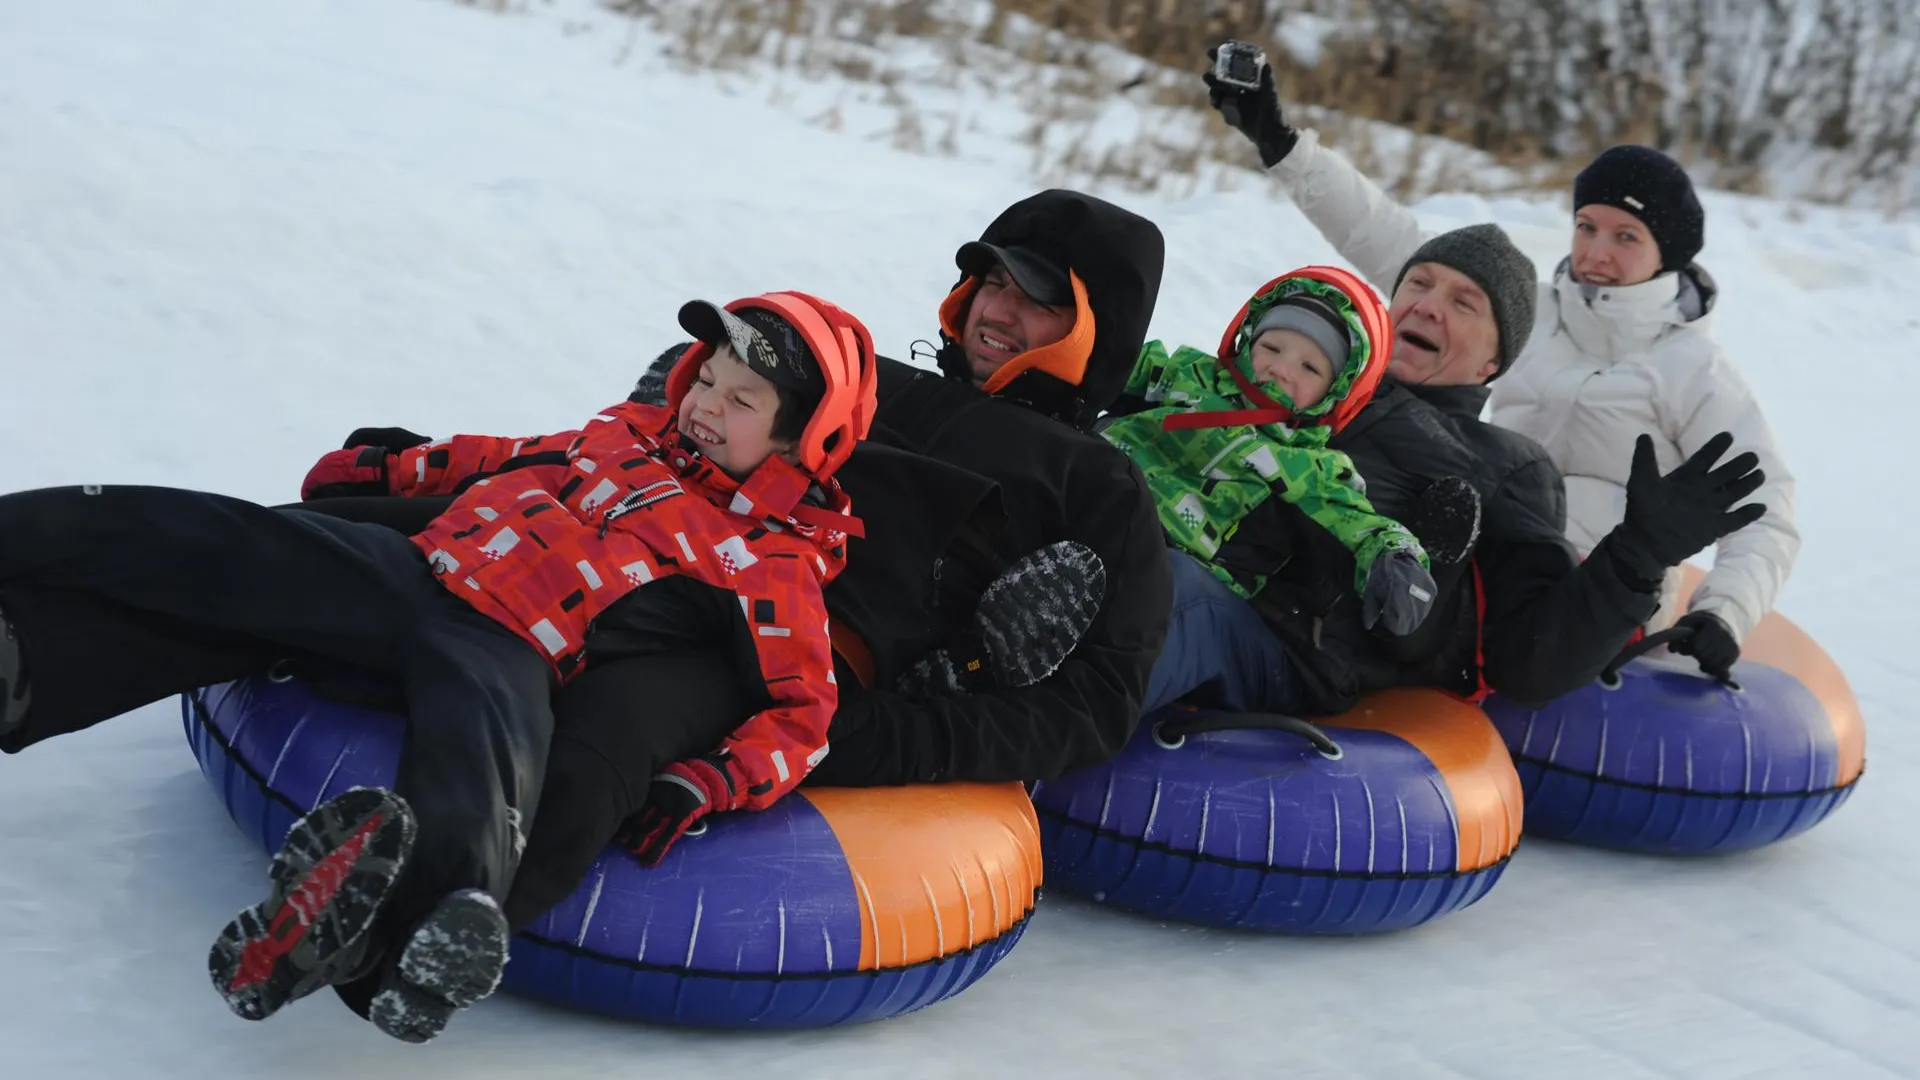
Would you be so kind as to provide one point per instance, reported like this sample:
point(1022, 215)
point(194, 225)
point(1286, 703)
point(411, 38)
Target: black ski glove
point(1398, 595)
point(1711, 643)
point(391, 439)
point(1670, 518)
point(1446, 519)
point(1256, 113)
point(652, 387)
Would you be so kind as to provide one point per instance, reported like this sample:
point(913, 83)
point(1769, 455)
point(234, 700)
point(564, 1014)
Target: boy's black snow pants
point(124, 595)
point(632, 711)
point(615, 725)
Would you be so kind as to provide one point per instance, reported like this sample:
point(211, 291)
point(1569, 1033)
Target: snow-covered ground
point(231, 231)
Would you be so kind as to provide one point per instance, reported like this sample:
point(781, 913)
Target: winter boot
point(1028, 620)
point(337, 867)
point(14, 694)
point(1446, 520)
point(651, 389)
point(454, 959)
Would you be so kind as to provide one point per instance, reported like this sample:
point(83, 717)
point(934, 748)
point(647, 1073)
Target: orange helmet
point(1373, 318)
point(843, 348)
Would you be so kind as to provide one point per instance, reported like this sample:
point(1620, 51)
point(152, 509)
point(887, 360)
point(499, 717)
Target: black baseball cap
point(1044, 280)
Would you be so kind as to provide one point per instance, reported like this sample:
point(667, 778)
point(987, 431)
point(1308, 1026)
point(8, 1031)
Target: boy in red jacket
point(722, 505)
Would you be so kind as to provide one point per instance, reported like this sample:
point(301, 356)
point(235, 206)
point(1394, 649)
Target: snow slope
point(231, 231)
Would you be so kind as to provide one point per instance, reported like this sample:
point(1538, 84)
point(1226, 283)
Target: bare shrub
point(1816, 98)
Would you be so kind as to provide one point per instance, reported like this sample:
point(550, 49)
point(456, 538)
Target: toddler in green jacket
point(1222, 434)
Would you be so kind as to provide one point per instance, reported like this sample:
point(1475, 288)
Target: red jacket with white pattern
point(587, 516)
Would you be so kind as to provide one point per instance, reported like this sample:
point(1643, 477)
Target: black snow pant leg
point(400, 513)
point(616, 725)
point(244, 582)
point(259, 581)
point(479, 723)
point(232, 569)
point(125, 595)
point(90, 659)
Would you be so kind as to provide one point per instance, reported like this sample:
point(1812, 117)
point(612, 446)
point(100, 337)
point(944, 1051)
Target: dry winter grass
point(1765, 96)
point(1091, 106)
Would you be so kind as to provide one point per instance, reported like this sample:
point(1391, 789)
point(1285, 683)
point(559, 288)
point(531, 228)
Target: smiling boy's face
point(1444, 330)
point(729, 413)
point(1290, 360)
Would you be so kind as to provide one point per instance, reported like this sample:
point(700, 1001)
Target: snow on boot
point(1446, 519)
point(1028, 620)
point(330, 878)
point(454, 959)
point(651, 389)
point(14, 696)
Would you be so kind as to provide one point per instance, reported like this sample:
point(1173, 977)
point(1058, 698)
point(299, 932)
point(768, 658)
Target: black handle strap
point(1171, 733)
point(1610, 675)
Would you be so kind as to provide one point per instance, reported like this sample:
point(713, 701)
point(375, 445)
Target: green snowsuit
point(1206, 480)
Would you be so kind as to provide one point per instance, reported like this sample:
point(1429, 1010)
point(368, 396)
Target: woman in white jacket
point(1621, 347)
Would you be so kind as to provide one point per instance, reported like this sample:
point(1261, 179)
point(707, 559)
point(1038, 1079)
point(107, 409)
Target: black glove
point(1255, 112)
point(1446, 519)
point(1670, 518)
point(1398, 595)
point(1711, 643)
point(391, 439)
point(652, 387)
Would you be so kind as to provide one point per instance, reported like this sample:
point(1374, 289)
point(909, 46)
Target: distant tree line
point(1746, 89)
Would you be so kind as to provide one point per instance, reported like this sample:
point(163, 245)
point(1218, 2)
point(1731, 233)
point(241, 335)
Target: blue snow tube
point(1398, 812)
point(1658, 760)
point(834, 906)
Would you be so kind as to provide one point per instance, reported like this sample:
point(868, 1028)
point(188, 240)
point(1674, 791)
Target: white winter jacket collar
point(1613, 322)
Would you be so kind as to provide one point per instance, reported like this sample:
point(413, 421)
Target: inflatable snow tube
point(1662, 759)
point(834, 906)
point(1396, 813)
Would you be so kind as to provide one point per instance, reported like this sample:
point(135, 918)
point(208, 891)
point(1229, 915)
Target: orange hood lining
point(1065, 359)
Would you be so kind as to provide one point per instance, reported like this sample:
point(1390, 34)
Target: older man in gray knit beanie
point(1429, 300)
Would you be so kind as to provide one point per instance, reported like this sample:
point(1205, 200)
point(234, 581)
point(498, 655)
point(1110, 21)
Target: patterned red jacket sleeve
point(769, 754)
point(441, 468)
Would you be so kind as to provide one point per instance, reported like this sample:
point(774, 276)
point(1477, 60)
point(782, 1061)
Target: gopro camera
point(1238, 64)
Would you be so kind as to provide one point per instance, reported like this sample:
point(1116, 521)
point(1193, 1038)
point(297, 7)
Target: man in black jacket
point(966, 471)
point(1037, 339)
point(1522, 615)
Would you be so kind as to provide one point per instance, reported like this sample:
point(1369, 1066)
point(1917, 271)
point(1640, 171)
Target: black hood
point(1119, 255)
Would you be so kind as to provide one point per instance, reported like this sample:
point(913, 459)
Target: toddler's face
point(1292, 361)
